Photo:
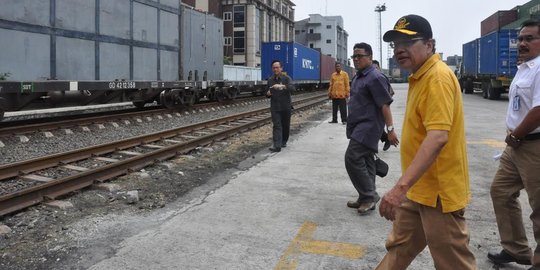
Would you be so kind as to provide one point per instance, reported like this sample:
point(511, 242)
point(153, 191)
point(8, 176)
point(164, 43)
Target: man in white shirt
point(519, 166)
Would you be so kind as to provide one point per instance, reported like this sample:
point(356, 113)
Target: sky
point(453, 22)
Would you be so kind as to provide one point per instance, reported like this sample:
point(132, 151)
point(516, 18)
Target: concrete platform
point(289, 211)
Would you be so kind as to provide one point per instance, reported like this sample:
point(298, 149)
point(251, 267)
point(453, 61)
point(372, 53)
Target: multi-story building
point(248, 23)
point(325, 34)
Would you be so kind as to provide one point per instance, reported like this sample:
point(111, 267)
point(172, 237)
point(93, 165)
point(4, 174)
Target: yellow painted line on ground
point(304, 243)
point(490, 142)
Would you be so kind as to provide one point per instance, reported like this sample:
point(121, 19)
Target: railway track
point(26, 183)
point(28, 126)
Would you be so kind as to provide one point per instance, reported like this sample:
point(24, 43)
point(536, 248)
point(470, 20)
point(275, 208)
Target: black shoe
point(353, 204)
point(504, 257)
point(332, 122)
point(274, 149)
point(344, 122)
point(284, 145)
point(386, 145)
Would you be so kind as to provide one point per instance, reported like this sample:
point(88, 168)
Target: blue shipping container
point(498, 53)
point(299, 62)
point(470, 58)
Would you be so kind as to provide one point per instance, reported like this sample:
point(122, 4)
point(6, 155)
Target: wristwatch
point(389, 128)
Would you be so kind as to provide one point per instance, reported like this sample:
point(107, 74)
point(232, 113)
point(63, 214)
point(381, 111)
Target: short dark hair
point(277, 61)
point(530, 23)
point(376, 63)
point(336, 64)
point(364, 46)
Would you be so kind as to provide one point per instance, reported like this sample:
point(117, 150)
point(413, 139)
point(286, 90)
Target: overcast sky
point(453, 22)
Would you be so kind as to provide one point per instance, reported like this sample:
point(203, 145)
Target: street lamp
point(379, 9)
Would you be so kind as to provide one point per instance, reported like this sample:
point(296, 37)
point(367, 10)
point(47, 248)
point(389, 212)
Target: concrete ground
point(289, 210)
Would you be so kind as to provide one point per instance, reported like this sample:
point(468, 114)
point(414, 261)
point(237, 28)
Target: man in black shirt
point(279, 91)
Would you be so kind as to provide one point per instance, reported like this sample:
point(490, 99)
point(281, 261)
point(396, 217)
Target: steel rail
point(21, 199)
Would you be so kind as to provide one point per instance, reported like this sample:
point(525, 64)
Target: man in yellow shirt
point(427, 203)
point(339, 92)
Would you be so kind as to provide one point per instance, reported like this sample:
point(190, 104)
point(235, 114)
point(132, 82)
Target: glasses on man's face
point(527, 39)
point(354, 56)
point(404, 43)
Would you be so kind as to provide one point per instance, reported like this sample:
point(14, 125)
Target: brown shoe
point(353, 204)
point(364, 208)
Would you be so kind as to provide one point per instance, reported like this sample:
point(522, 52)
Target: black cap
point(409, 26)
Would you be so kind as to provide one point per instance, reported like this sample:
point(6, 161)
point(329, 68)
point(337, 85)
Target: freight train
point(62, 55)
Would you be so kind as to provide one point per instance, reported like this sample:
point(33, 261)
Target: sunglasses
point(527, 39)
point(404, 43)
point(354, 56)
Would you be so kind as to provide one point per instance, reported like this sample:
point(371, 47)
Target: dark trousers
point(360, 165)
point(340, 103)
point(281, 121)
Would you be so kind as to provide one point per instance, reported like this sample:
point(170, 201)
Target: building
point(249, 23)
point(325, 34)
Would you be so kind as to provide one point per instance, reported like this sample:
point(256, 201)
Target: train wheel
point(139, 104)
point(233, 93)
point(218, 95)
point(166, 98)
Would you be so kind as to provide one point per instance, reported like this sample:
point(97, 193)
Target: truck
point(489, 63)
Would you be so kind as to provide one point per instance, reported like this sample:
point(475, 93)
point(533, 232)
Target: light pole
point(379, 9)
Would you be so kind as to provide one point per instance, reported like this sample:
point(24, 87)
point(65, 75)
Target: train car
point(79, 53)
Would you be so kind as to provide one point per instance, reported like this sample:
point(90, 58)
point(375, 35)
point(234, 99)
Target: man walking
point(369, 111)
point(339, 92)
point(427, 203)
point(519, 166)
point(279, 91)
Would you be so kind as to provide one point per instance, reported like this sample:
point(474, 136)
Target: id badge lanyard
point(516, 102)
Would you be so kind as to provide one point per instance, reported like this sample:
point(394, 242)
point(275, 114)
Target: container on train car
point(241, 73)
point(299, 62)
point(327, 67)
point(124, 40)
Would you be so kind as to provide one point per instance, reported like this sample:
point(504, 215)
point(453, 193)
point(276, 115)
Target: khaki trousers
point(418, 225)
point(518, 169)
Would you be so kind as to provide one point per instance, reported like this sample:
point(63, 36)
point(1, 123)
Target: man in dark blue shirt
point(280, 88)
point(369, 111)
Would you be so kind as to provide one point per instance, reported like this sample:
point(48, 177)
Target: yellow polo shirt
point(434, 103)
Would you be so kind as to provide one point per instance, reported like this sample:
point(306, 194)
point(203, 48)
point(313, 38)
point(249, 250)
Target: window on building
point(328, 41)
point(228, 41)
point(227, 16)
point(239, 42)
point(311, 45)
point(329, 27)
point(303, 31)
point(297, 32)
point(311, 31)
point(239, 16)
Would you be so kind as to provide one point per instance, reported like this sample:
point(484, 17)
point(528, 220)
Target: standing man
point(279, 91)
point(339, 92)
point(369, 111)
point(427, 203)
point(519, 165)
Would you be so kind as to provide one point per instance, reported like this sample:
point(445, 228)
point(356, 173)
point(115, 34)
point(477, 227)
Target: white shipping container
point(241, 73)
